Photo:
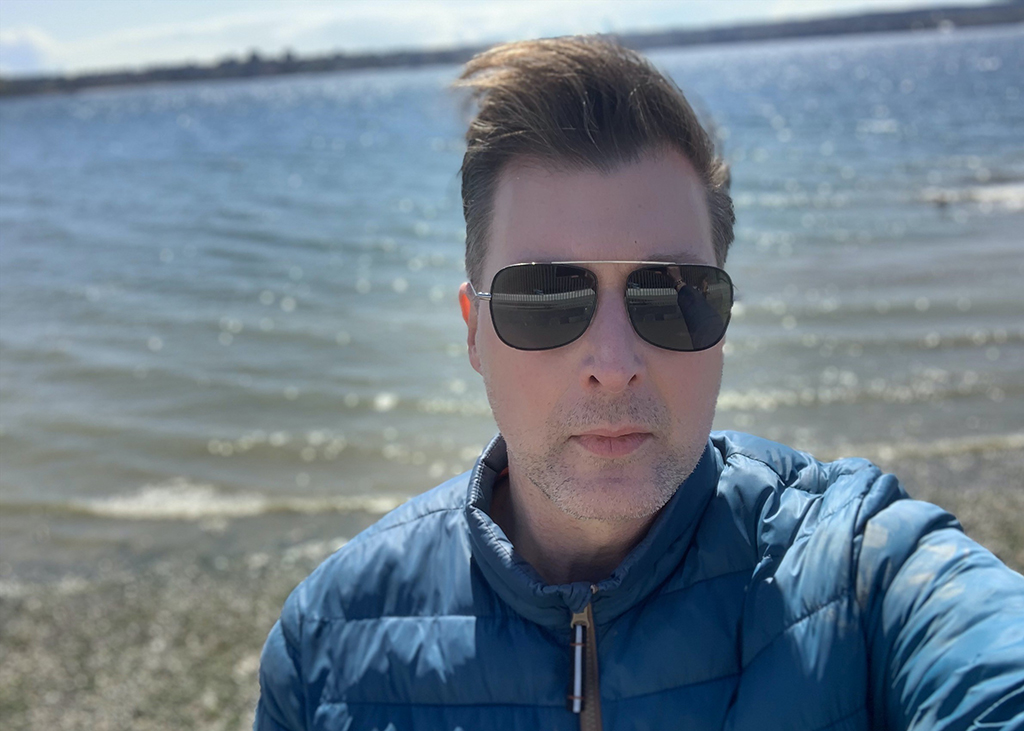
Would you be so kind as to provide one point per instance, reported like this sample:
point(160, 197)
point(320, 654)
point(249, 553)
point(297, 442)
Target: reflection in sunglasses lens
point(542, 306)
point(683, 308)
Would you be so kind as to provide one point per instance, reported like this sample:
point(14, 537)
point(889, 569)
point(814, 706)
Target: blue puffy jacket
point(772, 592)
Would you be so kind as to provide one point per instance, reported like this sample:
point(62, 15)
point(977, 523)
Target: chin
point(618, 504)
point(588, 487)
point(615, 493)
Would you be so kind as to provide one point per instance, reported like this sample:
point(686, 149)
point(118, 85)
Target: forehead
point(653, 209)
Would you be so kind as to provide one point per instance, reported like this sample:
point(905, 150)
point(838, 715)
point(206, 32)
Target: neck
point(561, 548)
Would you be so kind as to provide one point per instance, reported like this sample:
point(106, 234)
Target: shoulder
point(413, 562)
point(817, 524)
point(785, 496)
point(381, 571)
point(818, 531)
point(810, 529)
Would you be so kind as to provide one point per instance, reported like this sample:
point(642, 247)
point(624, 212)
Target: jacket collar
point(648, 565)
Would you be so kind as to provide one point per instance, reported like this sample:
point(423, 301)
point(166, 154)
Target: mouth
point(612, 443)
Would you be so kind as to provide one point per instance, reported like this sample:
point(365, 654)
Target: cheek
point(690, 384)
point(522, 387)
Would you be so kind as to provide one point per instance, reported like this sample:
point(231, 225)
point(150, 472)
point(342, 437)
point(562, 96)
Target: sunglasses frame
point(637, 265)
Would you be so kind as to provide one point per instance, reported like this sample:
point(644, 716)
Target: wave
point(750, 341)
point(181, 500)
point(848, 389)
point(187, 501)
point(797, 200)
point(868, 310)
point(1007, 196)
point(937, 448)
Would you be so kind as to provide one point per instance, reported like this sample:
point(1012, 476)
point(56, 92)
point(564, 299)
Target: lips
point(612, 442)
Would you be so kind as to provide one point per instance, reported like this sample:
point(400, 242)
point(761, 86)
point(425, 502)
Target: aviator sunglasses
point(540, 306)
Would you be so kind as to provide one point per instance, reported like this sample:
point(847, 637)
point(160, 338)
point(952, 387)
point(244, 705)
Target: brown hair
point(579, 102)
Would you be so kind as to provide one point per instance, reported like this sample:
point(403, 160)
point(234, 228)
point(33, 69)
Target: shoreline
point(176, 643)
point(256, 66)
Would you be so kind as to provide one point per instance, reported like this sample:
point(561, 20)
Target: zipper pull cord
point(579, 620)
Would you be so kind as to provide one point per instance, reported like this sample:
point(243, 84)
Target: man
point(609, 563)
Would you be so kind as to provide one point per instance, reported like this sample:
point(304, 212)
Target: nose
point(612, 357)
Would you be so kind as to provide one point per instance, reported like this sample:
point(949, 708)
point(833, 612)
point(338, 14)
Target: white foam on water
point(183, 500)
point(1008, 196)
point(462, 407)
point(846, 388)
point(991, 443)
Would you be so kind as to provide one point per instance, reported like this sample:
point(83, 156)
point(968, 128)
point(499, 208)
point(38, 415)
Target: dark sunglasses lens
point(684, 307)
point(542, 306)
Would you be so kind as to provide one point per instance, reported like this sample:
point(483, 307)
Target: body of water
point(228, 314)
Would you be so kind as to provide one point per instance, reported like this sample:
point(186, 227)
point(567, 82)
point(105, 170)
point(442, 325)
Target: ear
point(464, 301)
point(469, 314)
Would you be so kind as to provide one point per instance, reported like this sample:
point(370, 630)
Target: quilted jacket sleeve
point(282, 693)
point(944, 620)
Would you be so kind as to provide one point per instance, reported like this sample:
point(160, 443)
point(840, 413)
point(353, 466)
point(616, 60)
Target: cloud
point(26, 50)
point(303, 26)
point(784, 9)
point(306, 27)
point(210, 31)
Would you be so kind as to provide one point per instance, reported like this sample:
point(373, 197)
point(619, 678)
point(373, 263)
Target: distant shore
point(255, 65)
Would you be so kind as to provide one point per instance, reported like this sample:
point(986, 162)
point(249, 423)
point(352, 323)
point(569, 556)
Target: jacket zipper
point(585, 698)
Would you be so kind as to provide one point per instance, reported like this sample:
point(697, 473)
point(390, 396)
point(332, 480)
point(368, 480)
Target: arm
point(944, 620)
point(282, 692)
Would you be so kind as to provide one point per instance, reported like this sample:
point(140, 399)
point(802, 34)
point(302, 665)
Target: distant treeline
point(256, 65)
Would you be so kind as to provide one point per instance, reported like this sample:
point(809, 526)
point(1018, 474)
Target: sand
point(175, 645)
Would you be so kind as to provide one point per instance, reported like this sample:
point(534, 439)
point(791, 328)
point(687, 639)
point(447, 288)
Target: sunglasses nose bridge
point(613, 356)
point(611, 306)
point(610, 322)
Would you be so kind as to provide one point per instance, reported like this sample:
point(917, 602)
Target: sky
point(73, 36)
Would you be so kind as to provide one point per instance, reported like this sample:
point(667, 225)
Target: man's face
point(549, 404)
